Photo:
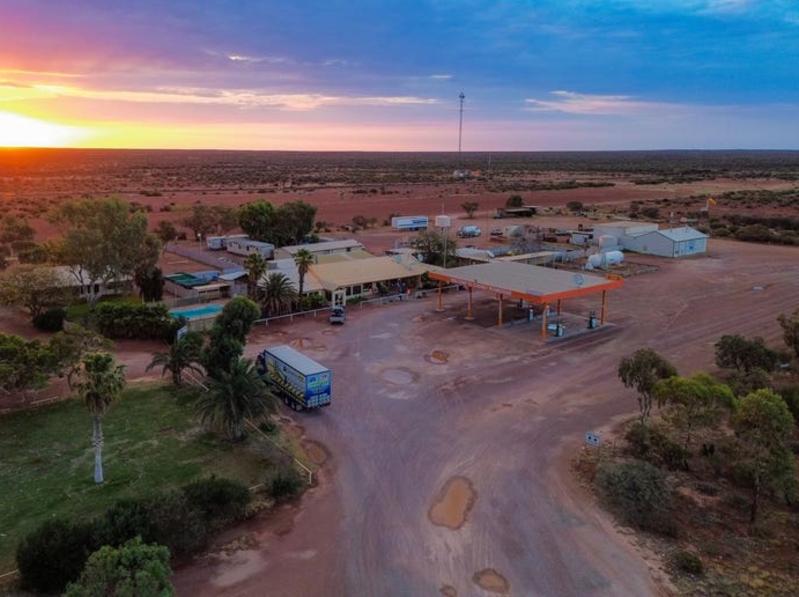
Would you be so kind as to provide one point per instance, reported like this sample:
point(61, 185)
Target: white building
point(623, 228)
point(246, 246)
point(329, 247)
point(671, 242)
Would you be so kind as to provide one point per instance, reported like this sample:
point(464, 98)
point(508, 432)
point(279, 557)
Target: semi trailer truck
point(301, 382)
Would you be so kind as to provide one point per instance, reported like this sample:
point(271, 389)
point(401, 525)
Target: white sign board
point(593, 439)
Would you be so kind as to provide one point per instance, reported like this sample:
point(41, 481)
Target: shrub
point(167, 519)
point(135, 320)
point(284, 483)
point(574, 206)
point(126, 519)
point(221, 501)
point(686, 561)
point(51, 320)
point(655, 446)
point(177, 524)
point(54, 554)
point(791, 396)
point(132, 569)
point(639, 493)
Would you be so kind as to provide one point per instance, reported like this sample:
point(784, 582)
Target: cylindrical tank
point(605, 259)
point(613, 257)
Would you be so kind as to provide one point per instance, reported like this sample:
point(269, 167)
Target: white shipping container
point(409, 222)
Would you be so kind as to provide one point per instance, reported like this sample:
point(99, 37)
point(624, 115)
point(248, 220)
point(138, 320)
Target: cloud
point(242, 98)
point(570, 102)
point(257, 59)
point(441, 77)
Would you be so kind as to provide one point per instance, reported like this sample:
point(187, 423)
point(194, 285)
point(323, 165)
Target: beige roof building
point(365, 272)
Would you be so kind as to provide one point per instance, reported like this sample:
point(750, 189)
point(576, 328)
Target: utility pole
point(461, 97)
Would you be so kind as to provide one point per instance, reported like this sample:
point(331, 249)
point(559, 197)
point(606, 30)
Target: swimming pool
point(197, 312)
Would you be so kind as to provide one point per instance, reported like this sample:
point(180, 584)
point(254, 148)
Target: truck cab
point(337, 315)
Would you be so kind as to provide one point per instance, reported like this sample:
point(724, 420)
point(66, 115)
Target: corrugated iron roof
point(363, 271)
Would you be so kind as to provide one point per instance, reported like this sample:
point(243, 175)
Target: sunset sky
point(369, 75)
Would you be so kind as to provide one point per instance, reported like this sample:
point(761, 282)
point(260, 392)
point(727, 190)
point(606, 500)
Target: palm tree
point(236, 395)
point(255, 265)
point(278, 293)
point(303, 259)
point(183, 355)
point(100, 382)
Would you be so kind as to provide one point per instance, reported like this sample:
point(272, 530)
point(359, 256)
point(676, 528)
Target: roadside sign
point(182, 332)
point(593, 439)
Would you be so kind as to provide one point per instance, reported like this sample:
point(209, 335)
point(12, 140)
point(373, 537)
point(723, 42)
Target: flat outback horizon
point(399, 300)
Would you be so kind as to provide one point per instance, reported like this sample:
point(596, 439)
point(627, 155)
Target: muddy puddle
point(399, 375)
point(492, 581)
point(315, 451)
point(438, 357)
point(453, 503)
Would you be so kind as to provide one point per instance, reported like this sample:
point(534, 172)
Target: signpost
point(593, 439)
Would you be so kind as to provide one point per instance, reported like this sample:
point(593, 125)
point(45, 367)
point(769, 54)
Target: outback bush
point(791, 396)
point(639, 493)
point(178, 525)
point(51, 320)
point(221, 501)
point(135, 321)
point(54, 554)
point(686, 561)
point(652, 444)
point(284, 483)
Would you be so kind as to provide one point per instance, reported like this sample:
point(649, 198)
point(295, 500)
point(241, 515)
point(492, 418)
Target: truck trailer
point(409, 222)
point(301, 382)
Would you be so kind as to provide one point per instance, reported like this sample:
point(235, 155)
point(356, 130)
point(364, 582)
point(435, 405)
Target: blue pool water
point(197, 312)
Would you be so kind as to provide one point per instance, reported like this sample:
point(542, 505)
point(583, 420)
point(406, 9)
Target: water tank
point(443, 221)
point(613, 257)
point(603, 260)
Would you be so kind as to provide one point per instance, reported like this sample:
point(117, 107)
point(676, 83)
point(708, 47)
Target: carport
point(543, 286)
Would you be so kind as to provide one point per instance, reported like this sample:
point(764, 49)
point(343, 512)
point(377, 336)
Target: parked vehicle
point(337, 315)
point(469, 231)
point(409, 222)
point(301, 382)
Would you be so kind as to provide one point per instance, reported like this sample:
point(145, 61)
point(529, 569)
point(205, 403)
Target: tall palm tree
point(278, 293)
point(183, 355)
point(100, 382)
point(304, 259)
point(255, 265)
point(236, 395)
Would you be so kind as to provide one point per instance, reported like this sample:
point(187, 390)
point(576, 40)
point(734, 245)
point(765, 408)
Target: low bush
point(221, 501)
point(639, 493)
point(791, 396)
point(652, 444)
point(687, 561)
point(54, 554)
point(51, 320)
point(167, 519)
point(135, 321)
point(284, 483)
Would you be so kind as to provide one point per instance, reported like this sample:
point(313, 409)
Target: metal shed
point(670, 242)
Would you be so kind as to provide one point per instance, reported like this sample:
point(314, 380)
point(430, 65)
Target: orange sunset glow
point(22, 131)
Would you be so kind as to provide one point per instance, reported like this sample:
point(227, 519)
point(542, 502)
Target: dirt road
point(448, 471)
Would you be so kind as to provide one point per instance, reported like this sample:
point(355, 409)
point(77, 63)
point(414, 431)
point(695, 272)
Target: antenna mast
point(461, 97)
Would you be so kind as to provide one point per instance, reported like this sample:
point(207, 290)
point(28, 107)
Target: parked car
point(337, 315)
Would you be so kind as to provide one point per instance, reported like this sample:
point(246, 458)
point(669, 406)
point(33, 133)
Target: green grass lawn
point(152, 442)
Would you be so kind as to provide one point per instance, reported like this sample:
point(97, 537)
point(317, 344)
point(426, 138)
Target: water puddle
point(453, 503)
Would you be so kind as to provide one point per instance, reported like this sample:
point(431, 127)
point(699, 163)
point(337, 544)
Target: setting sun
point(23, 131)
